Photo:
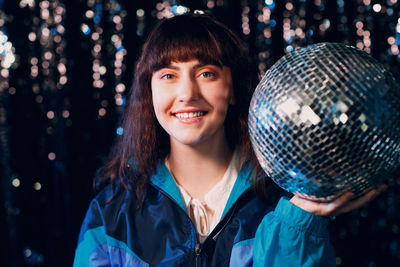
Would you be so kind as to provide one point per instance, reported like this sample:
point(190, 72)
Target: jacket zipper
point(197, 251)
point(230, 212)
point(198, 248)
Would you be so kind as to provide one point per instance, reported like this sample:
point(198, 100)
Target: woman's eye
point(167, 76)
point(207, 74)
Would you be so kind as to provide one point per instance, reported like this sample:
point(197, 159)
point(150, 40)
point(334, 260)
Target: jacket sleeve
point(290, 236)
point(92, 243)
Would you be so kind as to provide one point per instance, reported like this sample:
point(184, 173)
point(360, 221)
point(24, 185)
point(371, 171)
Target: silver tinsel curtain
point(66, 67)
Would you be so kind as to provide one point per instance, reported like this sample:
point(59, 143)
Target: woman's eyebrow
point(197, 66)
point(170, 67)
point(200, 65)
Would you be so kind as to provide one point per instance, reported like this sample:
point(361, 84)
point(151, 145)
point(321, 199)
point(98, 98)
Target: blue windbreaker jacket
point(252, 232)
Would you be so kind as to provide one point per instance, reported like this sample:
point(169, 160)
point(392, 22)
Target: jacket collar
point(164, 181)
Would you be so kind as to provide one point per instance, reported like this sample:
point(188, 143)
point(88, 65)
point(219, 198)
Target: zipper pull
point(197, 249)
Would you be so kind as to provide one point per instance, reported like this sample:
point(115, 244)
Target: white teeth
point(186, 115)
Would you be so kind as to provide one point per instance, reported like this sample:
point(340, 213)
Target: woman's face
point(191, 101)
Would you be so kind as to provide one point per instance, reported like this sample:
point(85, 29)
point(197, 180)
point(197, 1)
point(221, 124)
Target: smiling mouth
point(189, 115)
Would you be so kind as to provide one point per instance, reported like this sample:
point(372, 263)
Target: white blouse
point(206, 214)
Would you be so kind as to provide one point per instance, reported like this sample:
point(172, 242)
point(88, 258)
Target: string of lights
point(94, 30)
point(119, 52)
point(363, 26)
point(266, 24)
point(393, 39)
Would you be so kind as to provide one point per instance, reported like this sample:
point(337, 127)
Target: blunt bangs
point(184, 39)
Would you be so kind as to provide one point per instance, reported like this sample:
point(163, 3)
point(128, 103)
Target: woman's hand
point(340, 205)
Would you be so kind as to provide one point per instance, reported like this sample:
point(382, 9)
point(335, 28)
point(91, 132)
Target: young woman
point(183, 187)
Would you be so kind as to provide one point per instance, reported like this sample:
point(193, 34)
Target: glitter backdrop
point(65, 67)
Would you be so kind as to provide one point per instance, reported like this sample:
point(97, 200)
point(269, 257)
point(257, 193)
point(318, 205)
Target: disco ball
point(325, 120)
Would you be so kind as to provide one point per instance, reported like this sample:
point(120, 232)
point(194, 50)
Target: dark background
point(60, 99)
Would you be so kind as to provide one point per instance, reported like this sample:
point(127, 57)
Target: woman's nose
point(188, 90)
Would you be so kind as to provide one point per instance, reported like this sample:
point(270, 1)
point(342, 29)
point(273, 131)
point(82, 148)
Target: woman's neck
point(198, 168)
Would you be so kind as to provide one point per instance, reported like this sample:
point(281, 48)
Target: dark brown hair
point(144, 143)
